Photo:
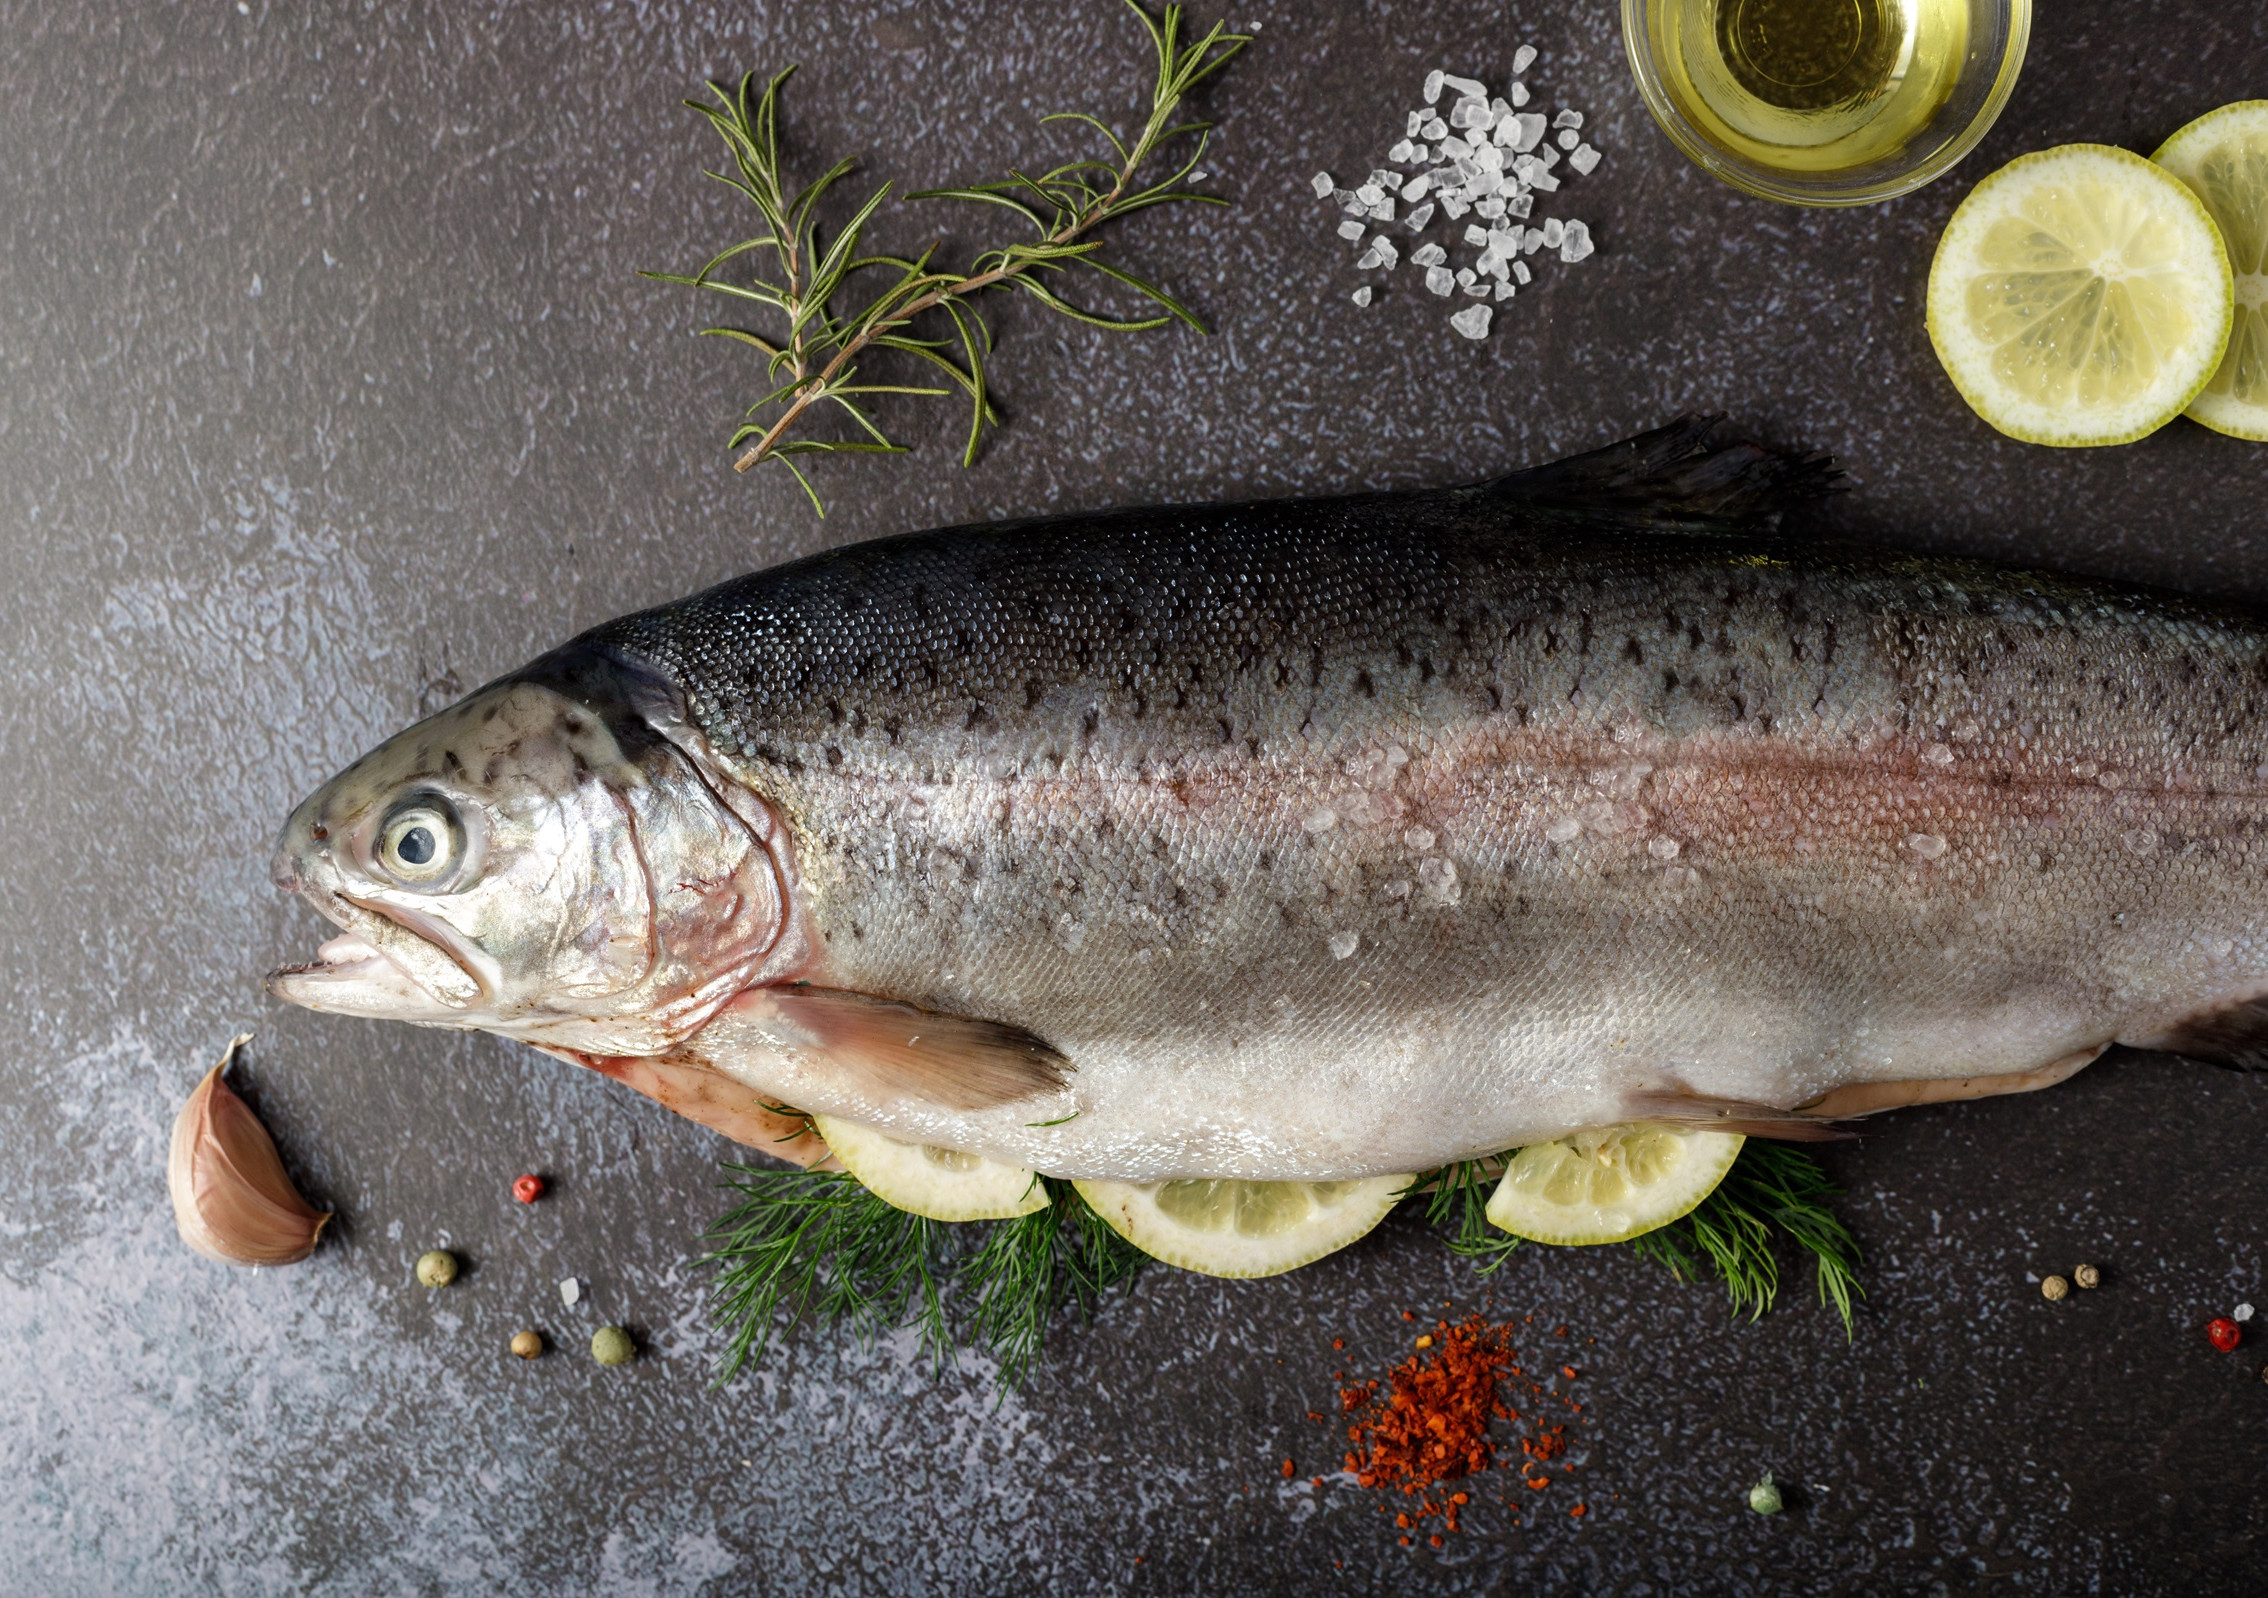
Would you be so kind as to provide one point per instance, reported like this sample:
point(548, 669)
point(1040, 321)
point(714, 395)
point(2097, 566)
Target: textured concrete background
point(326, 388)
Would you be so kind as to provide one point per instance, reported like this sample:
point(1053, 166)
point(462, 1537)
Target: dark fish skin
point(1339, 837)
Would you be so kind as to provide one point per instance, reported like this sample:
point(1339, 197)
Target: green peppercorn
point(437, 1267)
point(611, 1345)
point(1764, 1498)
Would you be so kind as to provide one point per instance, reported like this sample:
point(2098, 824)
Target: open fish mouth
point(391, 975)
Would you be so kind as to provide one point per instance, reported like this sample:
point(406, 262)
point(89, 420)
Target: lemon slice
point(1222, 1227)
point(2223, 157)
point(943, 1184)
point(1603, 1187)
point(2080, 296)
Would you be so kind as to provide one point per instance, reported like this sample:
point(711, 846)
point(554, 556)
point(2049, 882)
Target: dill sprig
point(818, 1246)
point(1456, 1201)
point(816, 359)
point(1772, 1187)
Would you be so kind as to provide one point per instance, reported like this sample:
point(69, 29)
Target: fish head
point(538, 860)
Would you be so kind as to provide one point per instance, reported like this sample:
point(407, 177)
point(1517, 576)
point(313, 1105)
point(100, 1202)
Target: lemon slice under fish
point(1605, 1186)
point(2223, 157)
point(943, 1184)
point(2080, 295)
point(1223, 1227)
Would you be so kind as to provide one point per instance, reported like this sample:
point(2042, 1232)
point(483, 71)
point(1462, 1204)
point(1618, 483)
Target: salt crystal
point(1323, 184)
point(1520, 271)
point(1469, 114)
point(1530, 240)
point(1438, 280)
point(1419, 217)
point(1546, 157)
point(1506, 131)
point(1348, 203)
point(1470, 88)
point(1385, 179)
point(1435, 130)
point(1492, 207)
point(1472, 321)
point(1553, 231)
point(1520, 205)
point(1531, 130)
point(1519, 94)
point(1417, 121)
point(1383, 211)
point(2243, 1312)
point(570, 1292)
point(1545, 181)
point(1454, 206)
point(1388, 252)
point(1419, 155)
point(1428, 255)
point(1504, 291)
point(1433, 82)
point(1523, 58)
point(1416, 187)
point(1576, 243)
point(1399, 151)
point(1475, 234)
point(1362, 295)
point(1350, 229)
point(1488, 158)
point(1569, 138)
point(1370, 194)
point(1454, 149)
point(1583, 158)
point(1568, 119)
point(1478, 288)
point(1465, 277)
point(1369, 260)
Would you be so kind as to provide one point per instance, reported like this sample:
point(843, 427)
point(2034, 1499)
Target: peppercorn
point(2054, 1288)
point(1764, 1497)
point(2223, 1333)
point(527, 1189)
point(2086, 1276)
point(437, 1267)
point(611, 1345)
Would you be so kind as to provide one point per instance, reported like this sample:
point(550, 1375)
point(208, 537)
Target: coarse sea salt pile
point(1486, 157)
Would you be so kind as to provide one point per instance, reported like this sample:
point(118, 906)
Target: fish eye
point(420, 843)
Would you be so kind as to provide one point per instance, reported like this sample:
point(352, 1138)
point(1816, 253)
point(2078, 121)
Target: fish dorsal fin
point(1675, 479)
point(2230, 1034)
point(887, 1051)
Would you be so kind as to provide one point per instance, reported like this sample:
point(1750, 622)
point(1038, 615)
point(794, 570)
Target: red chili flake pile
point(1426, 1424)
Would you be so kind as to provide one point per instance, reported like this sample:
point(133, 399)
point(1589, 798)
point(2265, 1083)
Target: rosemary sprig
point(816, 360)
point(1771, 1187)
point(819, 1246)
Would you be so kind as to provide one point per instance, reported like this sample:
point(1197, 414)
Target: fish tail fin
point(1676, 479)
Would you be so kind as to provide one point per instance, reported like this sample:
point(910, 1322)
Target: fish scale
point(1326, 839)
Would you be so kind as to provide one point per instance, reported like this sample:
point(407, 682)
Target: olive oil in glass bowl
point(1826, 102)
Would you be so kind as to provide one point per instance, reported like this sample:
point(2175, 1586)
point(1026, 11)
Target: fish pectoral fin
point(2231, 1034)
point(710, 1098)
point(1677, 479)
point(1682, 1107)
point(900, 1051)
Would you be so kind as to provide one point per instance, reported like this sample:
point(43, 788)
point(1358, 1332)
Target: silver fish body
point(1340, 838)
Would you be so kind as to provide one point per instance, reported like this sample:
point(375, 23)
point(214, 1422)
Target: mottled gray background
point(326, 386)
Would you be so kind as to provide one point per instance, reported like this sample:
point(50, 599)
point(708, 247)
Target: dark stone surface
point(326, 387)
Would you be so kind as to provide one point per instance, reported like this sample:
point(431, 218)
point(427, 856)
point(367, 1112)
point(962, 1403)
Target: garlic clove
point(231, 1199)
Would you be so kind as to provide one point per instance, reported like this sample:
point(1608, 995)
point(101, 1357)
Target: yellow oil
point(1810, 86)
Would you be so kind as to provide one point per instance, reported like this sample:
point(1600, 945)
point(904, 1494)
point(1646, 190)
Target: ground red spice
point(1427, 1422)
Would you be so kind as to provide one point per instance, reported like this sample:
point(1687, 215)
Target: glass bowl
point(1981, 65)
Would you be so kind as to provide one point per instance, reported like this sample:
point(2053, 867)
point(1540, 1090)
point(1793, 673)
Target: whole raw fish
point(1330, 838)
